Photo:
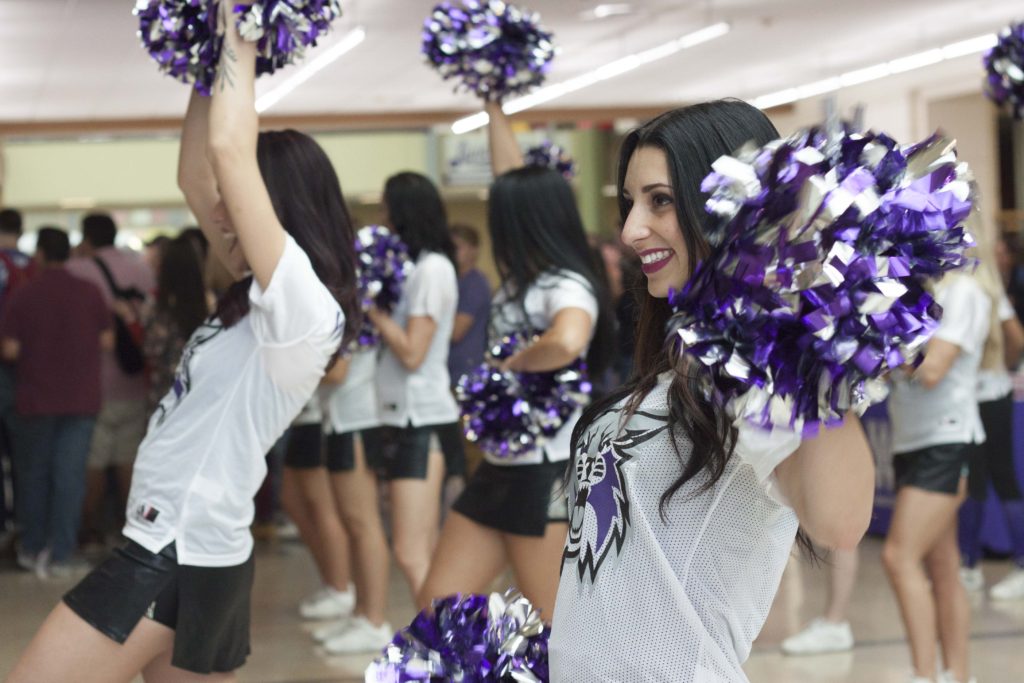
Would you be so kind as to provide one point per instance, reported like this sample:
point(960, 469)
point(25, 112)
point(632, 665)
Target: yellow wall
point(141, 172)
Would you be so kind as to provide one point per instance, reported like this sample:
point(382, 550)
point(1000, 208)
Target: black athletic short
point(935, 468)
point(305, 447)
point(398, 452)
point(208, 607)
point(515, 499)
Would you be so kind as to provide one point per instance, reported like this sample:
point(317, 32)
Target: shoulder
point(434, 265)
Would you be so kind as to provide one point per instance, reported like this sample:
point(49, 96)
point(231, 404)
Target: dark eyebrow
point(652, 186)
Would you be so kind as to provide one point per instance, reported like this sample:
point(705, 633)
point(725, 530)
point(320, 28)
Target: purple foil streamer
point(550, 155)
point(472, 638)
point(492, 48)
point(815, 288)
point(1004, 68)
point(509, 414)
point(383, 267)
point(182, 35)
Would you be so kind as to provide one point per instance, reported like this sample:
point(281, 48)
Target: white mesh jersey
point(674, 599)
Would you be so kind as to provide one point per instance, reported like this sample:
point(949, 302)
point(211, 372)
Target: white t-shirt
point(311, 413)
point(678, 600)
point(352, 405)
point(995, 383)
point(235, 392)
point(550, 293)
point(948, 413)
point(422, 397)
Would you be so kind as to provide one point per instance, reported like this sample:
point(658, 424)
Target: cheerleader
point(994, 460)
point(513, 511)
point(173, 603)
point(350, 417)
point(308, 500)
point(413, 400)
point(681, 523)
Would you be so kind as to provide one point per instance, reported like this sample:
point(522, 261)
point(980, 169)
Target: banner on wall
point(466, 159)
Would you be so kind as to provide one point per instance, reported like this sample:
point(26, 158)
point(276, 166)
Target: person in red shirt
point(53, 329)
point(15, 269)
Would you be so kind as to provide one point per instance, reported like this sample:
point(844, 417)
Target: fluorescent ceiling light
point(602, 73)
point(873, 73)
point(311, 68)
point(611, 10)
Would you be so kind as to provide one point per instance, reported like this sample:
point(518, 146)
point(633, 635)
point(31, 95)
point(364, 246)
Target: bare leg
point(160, 670)
point(415, 511)
point(842, 578)
point(952, 606)
point(321, 526)
point(66, 648)
point(920, 519)
point(467, 559)
point(355, 494)
point(536, 562)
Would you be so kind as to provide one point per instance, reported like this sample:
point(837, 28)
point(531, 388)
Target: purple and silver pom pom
point(510, 414)
point(550, 155)
point(472, 638)
point(284, 29)
point(815, 289)
point(494, 49)
point(181, 35)
point(1004, 65)
point(384, 266)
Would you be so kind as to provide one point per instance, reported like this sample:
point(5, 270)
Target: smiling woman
point(668, 489)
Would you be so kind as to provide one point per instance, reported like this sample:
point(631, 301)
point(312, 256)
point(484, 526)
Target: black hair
point(10, 222)
point(417, 214)
point(307, 199)
point(198, 240)
point(692, 138)
point(536, 228)
point(54, 244)
point(181, 292)
point(99, 230)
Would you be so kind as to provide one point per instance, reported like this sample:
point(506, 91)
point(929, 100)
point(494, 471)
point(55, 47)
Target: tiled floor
point(284, 652)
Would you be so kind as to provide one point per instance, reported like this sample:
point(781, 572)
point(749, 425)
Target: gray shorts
point(120, 428)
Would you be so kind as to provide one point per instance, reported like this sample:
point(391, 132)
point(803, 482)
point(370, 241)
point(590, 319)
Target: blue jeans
point(50, 454)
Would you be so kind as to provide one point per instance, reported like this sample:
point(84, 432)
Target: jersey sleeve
point(965, 311)
point(570, 292)
point(295, 305)
point(764, 450)
point(431, 289)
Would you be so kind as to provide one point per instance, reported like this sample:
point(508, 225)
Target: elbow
point(412, 362)
point(842, 532)
point(224, 150)
point(929, 380)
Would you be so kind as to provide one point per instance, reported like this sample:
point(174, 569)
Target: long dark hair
point(417, 214)
point(536, 228)
point(692, 138)
point(307, 199)
point(181, 292)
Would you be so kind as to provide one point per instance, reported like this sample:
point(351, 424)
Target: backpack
point(127, 348)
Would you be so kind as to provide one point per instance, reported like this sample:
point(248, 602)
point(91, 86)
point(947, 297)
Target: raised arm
point(830, 482)
point(505, 152)
point(231, 149)
point(195, 174)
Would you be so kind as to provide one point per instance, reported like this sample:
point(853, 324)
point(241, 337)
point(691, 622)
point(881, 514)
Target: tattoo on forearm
point(226, 72)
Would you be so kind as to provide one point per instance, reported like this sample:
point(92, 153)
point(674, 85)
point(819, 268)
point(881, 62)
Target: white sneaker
point(923, 679)
point(322, 634)
point(1010, 588)
point(360, 636)
point(328, 603)
point(947, 677)
point(820, 637)
point(972, 579)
